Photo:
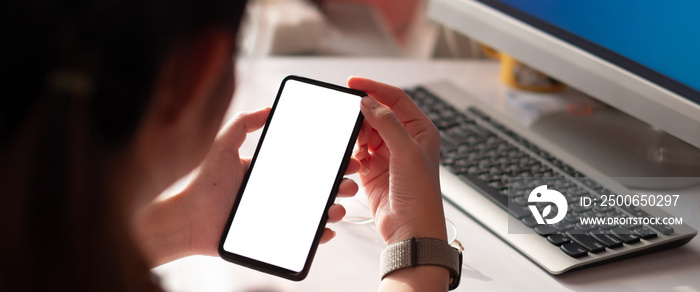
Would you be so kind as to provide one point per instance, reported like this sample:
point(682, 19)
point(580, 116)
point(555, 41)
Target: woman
point(107, 103)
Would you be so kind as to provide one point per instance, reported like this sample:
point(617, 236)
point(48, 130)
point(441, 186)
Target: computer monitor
point(640, 57)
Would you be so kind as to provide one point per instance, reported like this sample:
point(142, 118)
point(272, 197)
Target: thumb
point(234, 132)
point(386, 123)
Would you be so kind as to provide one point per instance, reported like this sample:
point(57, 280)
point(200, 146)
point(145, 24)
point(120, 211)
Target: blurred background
point(362, 28)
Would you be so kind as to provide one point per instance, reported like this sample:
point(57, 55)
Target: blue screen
point(660, 35)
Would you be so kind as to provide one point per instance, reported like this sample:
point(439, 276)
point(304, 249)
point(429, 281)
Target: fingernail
point(364, 168)
point(361, 155)
point(358, 150)
point(369, 102)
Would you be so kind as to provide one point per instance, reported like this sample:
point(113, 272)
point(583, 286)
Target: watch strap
point(422, 251)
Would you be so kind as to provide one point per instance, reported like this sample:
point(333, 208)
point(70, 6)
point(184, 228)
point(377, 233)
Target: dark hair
point(76, 79)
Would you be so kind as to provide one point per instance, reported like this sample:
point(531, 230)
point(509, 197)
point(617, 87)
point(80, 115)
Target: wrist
point(422, 216)
point(163, 232)
point(426, 226)
point(439, 232)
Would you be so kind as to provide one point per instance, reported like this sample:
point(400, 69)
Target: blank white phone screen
point(293, 175)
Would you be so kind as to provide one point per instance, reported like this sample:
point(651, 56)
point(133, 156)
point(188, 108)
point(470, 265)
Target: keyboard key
point(558, 239)
point(447, 143)
point(603, 209)
point(485, 177)
point(498, 185)
point(564, 226)
point(571, 218)
point(475, 170)
point(466, 163)
point(494, 195)
point(478, 130)
point(585, 227)
point(624, 234)
point(580, 192)
point(522, 201)
point(545, 230)
point(645, 233)
point(529, 221)
point(635, 211)
point(449, 113)
point(578, 208)
point(519, 212)
point(523, 195)
point(572, 200)
point(631, 226)
point(457, 134)
point(607, 226)
point(606, 238)
point(574, 250)
point(663, 229)
point(588, 242)
point(456, 169)
point(577, 231)
point(497, 170)
point(616, 213)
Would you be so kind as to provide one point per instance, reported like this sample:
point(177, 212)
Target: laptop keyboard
point(491, 158)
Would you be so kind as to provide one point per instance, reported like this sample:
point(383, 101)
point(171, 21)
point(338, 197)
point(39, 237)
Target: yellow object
point(518, 75)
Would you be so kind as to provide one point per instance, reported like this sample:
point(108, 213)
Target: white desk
point(350, 261)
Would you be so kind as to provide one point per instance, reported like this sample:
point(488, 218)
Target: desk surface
point(350, 261)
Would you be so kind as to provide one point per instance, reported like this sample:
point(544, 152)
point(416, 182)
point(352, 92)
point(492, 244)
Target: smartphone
point(281, 208)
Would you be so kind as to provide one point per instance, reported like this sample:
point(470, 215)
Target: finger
point(336, 213)
point(245, 162)
point(414, 120)
point(328, 234)
point(363, 136)
point(376, 142)
point(362, 140)
point(361, 153)
point(364, 167)
point(347, 188)
point(392, 97)
point(235, 130)
point(353, 166)
point(391, 130)
point(362, 156)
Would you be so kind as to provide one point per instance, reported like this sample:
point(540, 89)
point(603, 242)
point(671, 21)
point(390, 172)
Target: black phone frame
point(266, 267)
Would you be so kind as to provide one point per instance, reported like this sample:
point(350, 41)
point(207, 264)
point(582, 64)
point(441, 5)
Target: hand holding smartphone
point(281, 209)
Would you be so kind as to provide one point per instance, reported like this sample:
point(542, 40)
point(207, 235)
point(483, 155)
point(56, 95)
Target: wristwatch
point(422, 251)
